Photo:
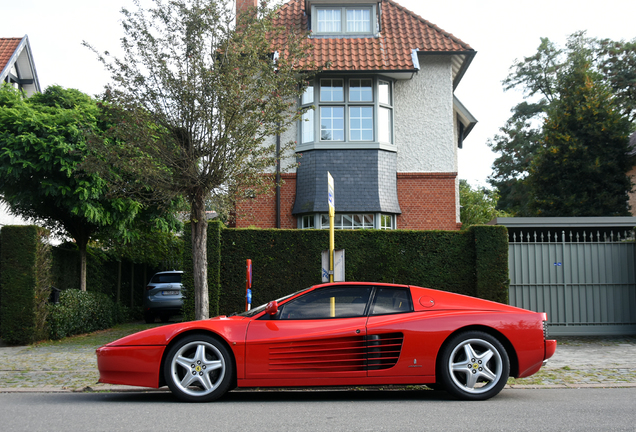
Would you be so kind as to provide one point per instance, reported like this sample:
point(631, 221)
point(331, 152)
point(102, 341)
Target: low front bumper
point(130, 365)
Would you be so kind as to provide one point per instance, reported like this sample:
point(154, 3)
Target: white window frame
point(380, 103)
point(353, 221)
point(344, 30)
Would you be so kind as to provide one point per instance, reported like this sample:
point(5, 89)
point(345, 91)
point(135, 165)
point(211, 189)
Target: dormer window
point(343, 20)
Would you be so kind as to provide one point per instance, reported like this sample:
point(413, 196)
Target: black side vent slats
point(372, 352)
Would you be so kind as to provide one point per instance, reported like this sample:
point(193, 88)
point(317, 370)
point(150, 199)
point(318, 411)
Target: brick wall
point(427, 201)
point(261, 211)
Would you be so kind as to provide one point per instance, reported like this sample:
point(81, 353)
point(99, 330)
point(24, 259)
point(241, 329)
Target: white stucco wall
point(424, 126)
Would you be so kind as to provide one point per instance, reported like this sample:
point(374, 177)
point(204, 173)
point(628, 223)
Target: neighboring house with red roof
point(384, 122)
point(16, 64)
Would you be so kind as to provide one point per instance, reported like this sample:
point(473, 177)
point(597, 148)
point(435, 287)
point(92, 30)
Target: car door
point(401, 348)
point(320, 334)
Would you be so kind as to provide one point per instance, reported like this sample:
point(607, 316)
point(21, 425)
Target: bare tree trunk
point(132, 284)
point(199, 225)
point(82, 251)
point(118, 281)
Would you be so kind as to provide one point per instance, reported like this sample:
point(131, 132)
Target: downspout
point(278, 177)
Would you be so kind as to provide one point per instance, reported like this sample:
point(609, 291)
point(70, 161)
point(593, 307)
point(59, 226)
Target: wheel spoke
point(488, 374)
point(184, 362)
point(471, 380)
point(213, 365)
point(188, 379)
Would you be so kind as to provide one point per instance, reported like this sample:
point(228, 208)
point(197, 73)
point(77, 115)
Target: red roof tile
point(401, 32)
point(7, 48)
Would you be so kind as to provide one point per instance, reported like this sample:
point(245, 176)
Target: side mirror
point(272, 307)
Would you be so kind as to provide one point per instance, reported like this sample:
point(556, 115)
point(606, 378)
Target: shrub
point(83, 312)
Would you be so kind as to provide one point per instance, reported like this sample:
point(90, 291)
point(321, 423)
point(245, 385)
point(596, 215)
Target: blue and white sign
point(331, 191)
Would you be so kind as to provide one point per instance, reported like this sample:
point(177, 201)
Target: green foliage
point(25, 284)
point(83, 312)
point(285, 261)
point(581, 167)
point(491, 262)
point(478, 206)
point(42, 144)
point(611, 64)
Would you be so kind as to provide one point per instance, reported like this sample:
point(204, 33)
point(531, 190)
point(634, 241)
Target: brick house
point(384, 122)
point(16, 64)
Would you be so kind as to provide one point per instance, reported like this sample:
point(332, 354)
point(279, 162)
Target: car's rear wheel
point(198, 369)
point(473, 366)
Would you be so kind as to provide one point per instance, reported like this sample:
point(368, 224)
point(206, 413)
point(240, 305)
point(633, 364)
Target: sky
point(499, 30)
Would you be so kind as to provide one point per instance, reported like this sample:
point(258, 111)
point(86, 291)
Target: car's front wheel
point(198, 369)
point(474, 366)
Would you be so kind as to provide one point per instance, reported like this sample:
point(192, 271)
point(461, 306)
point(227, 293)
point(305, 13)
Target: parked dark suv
point(163, 296)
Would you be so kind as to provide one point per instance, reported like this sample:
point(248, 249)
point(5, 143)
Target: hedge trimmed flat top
point(340, 334)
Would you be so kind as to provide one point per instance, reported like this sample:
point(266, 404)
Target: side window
point(336, 302)
point(391, 301)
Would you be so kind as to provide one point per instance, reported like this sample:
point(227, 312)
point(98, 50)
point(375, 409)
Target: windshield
point(261, 308)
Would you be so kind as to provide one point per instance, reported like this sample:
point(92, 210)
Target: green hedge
point(83, 312)
point(25, 284)
point(472, 262)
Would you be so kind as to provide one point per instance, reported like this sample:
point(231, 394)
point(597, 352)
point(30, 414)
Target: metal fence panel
point(586, 285)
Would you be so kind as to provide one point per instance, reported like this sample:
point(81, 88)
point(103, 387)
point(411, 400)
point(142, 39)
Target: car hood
point(160, 336)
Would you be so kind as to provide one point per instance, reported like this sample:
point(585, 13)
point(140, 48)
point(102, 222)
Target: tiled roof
point(402, 31)
point(7, 48)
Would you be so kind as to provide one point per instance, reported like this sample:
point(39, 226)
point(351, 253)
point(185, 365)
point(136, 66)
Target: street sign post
point(332, 215)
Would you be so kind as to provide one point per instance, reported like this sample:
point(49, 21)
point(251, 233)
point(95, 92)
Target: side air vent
point(358, 353)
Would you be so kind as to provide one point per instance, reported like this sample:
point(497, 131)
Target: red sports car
point(340, 334)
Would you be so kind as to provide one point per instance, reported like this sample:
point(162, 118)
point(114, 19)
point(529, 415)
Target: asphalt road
point(590, 409)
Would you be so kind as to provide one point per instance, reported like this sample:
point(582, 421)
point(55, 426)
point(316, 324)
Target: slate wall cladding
point(364, 181)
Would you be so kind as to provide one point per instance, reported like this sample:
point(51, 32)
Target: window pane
point(384, 125)
point(308, 95)
point(332, 90)
point(361, 123)
point(337, 302)
point(329, 21)
point(368, 221)
point(358, 221)
point(308, 126)
point(308, 222)
point(332, 123)
point(391, 300)
point(385, 92)
point(324, 221)
point(361, 90)
point(386, 222)
point(358, 20)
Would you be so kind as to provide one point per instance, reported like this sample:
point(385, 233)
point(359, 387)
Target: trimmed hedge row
point(25, 283)
point(472, 262)
point(83, 312)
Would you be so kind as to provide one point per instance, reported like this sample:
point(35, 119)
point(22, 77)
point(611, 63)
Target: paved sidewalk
point(578, 362)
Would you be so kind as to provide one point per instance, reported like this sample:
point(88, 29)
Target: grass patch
point(98, 338)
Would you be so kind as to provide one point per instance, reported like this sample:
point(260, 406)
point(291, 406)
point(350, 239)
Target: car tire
point(198, 368)
point(473, 365)
point(149, 318)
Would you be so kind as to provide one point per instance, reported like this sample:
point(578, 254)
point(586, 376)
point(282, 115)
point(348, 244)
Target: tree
point(478, 206)
point(539, 76)
point(42, 144)
point(580, 168)
point(194, 97)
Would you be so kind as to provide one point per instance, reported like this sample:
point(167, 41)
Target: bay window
point(347, 110)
